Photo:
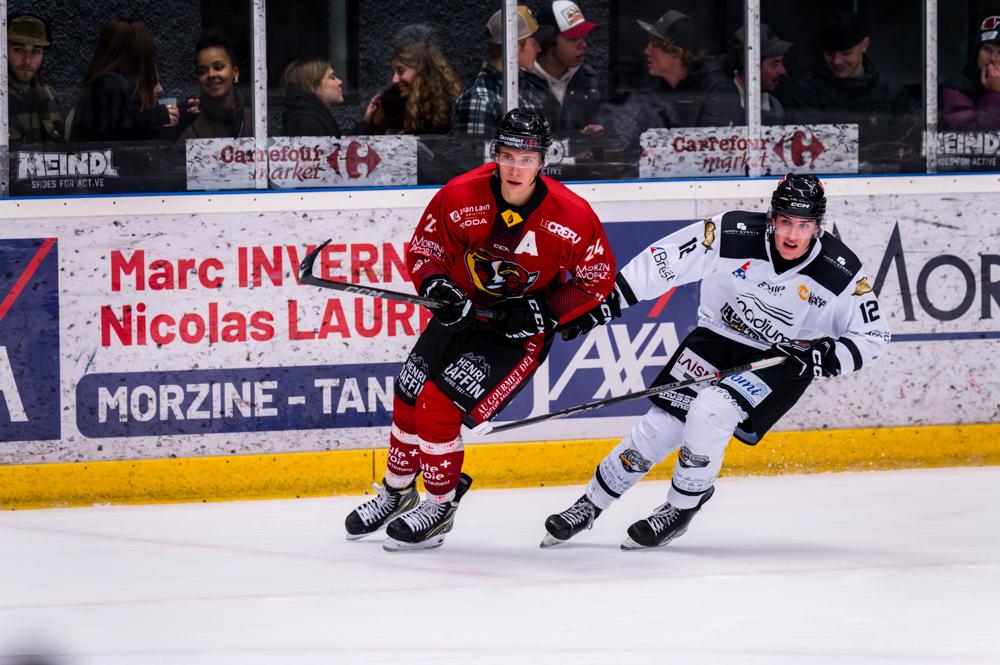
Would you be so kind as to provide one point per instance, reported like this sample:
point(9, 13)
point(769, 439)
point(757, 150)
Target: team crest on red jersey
point(498, 277)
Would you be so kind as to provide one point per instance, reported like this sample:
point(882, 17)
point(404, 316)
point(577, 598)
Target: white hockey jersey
point(743, 298)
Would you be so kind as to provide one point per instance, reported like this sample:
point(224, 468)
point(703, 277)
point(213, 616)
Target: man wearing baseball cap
point(695, 90)
point(772, 71)
point(574, 89)
point(33, 110)
point(480, 106)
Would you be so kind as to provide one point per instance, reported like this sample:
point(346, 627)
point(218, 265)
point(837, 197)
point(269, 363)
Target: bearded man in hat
point(34, 112)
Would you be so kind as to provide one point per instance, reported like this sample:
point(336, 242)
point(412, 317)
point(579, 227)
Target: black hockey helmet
point(799, 196)
point(523, 130)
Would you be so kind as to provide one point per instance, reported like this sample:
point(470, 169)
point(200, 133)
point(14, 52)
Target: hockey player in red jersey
point(773, 284)
point(501, 237)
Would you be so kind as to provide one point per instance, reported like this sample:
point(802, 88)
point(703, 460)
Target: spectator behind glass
point(480, 106)
point(847, 88)
point(693, 89)
point(972, 100)
point(772, 71)
point(117, 99)
point(574, 89)
point(32, 108)
point(311, 90)
point(423, 89)
point(222, 111)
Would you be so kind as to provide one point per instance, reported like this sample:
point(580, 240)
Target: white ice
point(897, 567)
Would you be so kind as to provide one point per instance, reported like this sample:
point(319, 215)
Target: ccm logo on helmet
point(557, 229)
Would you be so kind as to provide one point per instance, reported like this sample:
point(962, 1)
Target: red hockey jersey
point(553, 245)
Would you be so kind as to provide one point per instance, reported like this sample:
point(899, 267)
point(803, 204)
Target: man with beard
point(34, 112)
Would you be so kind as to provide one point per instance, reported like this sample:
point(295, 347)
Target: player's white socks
point(653, 437)
point(713, 417)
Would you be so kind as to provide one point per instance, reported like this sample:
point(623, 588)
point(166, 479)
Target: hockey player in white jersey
point(773, 283)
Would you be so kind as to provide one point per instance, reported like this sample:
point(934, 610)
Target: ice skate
point(425, 526)
point(665, 524)
point(563, 526)
point(375, 513)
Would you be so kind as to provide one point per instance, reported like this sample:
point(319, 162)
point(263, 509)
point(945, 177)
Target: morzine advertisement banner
point(145, 336)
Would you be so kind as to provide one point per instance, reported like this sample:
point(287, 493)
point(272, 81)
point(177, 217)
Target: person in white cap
point(574, 89)
point(480, 106)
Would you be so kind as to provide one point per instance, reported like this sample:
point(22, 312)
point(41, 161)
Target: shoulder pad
point(836, 266)
point(743, 235)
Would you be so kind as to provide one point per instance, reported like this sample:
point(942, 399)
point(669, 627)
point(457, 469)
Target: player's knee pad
point(712, 419)
point(652, 438)
point(656, 434)
point(437, 417)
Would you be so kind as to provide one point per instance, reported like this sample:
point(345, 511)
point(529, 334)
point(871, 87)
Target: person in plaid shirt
point(34, 112)
point(480, 106)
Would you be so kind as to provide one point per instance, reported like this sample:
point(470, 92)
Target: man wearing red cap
point(574, 87)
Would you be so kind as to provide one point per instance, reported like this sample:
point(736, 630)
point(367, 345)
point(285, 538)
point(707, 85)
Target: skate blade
point(550, 541)
point(393, 545)
point(630, 544)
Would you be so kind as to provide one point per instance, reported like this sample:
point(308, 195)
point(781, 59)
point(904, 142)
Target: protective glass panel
point(103, 104)
point(969, 78)
point(853, 93)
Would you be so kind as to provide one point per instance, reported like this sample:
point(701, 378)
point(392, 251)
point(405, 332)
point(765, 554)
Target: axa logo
point(741, 272)
point(610, 361)
point(351, 159)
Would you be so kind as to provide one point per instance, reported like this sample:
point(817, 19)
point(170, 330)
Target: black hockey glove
point(808, 358)
point(610, 309)
point(523, 317)
point(439, 287)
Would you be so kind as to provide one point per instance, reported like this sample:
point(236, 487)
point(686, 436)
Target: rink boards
point(174, 355)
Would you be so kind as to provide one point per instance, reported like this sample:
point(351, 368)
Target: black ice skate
point(375, 513)
point(665, 524)
point(563, 526)
point(424, 527)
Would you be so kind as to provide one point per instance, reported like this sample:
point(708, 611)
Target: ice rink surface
point(882, 567)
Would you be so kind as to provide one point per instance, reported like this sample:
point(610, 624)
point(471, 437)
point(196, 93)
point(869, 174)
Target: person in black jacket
point(117, 98)
point(847, 88)
point(311, 89)
point(694, 90)
point(222, 110)
point(573, 87)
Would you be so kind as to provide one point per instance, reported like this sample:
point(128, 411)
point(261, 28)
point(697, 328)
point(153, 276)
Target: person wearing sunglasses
point(971, 100)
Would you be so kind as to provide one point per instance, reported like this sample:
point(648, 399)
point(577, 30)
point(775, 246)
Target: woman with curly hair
point(424, 88)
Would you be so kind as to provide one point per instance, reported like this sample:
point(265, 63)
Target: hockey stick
point(306, 277)
point(488, 427)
